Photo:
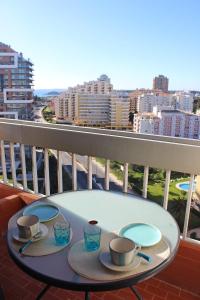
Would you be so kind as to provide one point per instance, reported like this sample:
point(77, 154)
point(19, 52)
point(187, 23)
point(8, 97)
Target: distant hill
point(53, 93)
point(47, 92)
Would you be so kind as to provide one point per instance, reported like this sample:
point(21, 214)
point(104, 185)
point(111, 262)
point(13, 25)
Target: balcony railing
point(169, 154)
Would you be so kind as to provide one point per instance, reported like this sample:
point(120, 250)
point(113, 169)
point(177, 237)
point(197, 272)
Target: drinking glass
point(92, 236)
point(62, 232)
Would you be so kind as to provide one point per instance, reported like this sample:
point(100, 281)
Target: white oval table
point(113, 211)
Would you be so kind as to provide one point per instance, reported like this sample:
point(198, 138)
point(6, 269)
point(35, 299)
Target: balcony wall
point(146, 150)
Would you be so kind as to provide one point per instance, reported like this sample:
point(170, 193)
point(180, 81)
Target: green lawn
point(156, 190)
point(156, 184)
point(156, 181)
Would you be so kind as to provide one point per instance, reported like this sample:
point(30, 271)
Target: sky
point(132, 41)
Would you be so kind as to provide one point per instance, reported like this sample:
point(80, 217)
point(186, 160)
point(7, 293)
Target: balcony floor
point(19, 286)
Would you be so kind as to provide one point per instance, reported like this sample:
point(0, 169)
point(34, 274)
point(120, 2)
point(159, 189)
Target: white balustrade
point(107, 175)
point(125, 178)
point(46, 172)
point(131, 148)
point(145, 181)
point(59, 172)
point(12, 160)
point(23, 162)
point(3, 163)
point(34, 170)
point(74, 172)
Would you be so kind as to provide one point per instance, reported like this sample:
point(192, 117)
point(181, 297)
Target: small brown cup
point(28, 226)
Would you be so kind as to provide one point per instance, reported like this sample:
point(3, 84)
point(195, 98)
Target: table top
point(113, 211)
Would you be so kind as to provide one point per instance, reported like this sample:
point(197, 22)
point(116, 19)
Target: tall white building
point(100, 86)
point(183, 101)
point(180, 100)
point(169, 123)
point(146, 102)
point(94, 104)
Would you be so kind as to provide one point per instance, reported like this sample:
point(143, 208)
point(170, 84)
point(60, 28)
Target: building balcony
point(178, 281)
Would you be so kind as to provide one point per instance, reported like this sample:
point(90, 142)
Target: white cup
point(123, 251)
point(28, 226)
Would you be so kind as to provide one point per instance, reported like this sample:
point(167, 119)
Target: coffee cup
point(28, 226)
point(122, 251)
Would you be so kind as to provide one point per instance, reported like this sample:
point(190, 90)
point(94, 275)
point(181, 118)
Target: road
point(98, 170)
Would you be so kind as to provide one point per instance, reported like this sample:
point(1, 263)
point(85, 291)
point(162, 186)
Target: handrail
point(177, 156)
point(167, 153)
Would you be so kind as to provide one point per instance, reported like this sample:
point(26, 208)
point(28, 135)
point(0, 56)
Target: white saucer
point(43, 229)
point(105, 259)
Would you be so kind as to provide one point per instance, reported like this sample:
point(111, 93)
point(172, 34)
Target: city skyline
point(131, 42)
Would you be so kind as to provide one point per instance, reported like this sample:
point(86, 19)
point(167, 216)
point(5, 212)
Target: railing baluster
point(187, 211)
point(34, 170)
point(59, 172)
point(74, 172)
point(89, 173)
point(46, 172)
point(107, 173)
point(166, 191)
point(3, 163)
point(145, 181)
point(13, 169)
point(125, 178)
point(23, 162)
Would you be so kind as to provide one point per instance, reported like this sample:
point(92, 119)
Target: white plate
point(43, 230)
point(105, 259)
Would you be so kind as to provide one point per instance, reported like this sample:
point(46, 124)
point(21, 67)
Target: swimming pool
point(185, 186)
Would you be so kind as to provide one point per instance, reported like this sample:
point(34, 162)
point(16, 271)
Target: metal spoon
point(37, 235)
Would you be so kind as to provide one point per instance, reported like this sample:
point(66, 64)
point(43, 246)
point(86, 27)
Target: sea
point(46, 92)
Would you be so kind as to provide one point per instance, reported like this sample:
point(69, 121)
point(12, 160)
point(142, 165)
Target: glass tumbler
point(62, 232)
point(92, 236)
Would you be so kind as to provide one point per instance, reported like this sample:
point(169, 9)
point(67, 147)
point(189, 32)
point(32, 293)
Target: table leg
point(43, 291)
point(87, 296)
point(136, 293)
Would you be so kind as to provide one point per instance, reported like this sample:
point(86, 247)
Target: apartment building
point(119, 103)
point(100, 86)
point(161, 83)
point(180, 100)
point(134, 97)
point(146, 102)
point(94, 104)
point(93, 110)
point(183, 101)
point(169, 123)
point(146, 123)
point(16, 94)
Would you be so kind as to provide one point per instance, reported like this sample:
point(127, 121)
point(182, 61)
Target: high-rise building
point(161, 83)
point(146, 102)
point(94, 104)
point(100, 86)
point(16, 95)
point(169, 123)
point(180, 100)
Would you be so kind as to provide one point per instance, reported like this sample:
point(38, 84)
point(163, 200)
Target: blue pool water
point(185, 186)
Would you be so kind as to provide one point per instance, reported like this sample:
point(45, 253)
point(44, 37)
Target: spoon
point(37, 235)
point(145, 256)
